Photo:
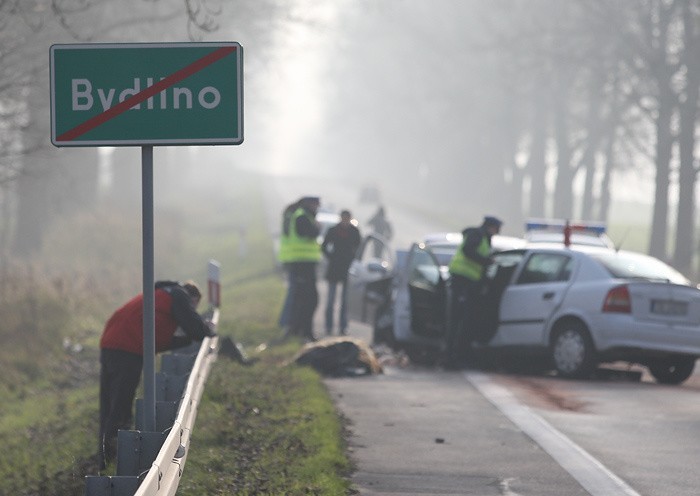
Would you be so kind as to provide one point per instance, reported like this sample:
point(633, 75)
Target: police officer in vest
point(303, 252)
point(283, 257)
point(466, 272)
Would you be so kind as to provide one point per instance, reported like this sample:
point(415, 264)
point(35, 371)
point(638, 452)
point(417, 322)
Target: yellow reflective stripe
point(464, 266)
point(297, 248)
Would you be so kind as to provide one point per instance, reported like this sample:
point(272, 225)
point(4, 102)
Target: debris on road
point(234, 351)
point(339, 356)
point(389, 357)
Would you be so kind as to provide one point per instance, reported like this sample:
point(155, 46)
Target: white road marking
point(504, 488)
point(588, 471)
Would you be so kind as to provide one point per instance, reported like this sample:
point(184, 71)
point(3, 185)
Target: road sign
point(146, 94)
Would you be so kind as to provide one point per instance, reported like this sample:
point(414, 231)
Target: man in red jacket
point(121, 351)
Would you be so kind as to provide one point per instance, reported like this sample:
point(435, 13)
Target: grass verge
point(266, 429)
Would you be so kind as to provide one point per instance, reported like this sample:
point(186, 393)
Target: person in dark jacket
point(121, 351)
point(466, 274)
point(339, 247)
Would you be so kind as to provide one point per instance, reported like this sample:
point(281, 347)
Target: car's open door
point(369, 279)
point(427, 293)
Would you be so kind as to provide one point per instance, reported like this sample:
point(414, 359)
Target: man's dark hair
point(192, 289)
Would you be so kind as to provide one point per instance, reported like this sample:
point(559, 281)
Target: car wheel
point(573, 354)
point(672, 370)
point(422, 355)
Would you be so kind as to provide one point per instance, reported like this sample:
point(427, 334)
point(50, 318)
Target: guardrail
point(151, 463)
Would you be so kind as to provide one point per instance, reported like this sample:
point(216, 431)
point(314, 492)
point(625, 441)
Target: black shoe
point(234, 351)
point(108, 453)
point(451, 365)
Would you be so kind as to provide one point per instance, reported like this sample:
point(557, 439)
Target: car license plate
point(669, 307)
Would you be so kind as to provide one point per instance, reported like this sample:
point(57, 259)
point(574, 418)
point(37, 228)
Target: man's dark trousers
point(462, 326)
point(120, 374)
point(304, 298)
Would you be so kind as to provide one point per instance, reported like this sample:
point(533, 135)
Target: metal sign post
point(149, 301)
point(146, 94)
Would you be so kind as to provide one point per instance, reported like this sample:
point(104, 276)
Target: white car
point(577, 307)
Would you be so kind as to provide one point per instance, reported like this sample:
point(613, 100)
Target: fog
point(452, 109)
point(411, 97)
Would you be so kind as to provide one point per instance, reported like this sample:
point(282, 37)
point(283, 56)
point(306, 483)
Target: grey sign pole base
point(111, 485)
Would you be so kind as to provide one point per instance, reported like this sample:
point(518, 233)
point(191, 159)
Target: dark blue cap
point(490, 220)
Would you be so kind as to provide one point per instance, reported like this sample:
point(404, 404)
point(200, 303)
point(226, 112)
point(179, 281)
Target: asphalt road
point(425, 432)
point(419, 430)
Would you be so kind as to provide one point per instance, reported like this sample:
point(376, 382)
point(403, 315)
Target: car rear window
point(575, 239)
point(625, 265)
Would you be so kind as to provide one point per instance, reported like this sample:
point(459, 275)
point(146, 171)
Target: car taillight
point(618, 300)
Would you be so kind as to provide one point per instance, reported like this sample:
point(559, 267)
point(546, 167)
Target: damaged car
point(570, 307)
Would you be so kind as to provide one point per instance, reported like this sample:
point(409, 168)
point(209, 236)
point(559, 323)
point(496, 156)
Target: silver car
point(577, 307)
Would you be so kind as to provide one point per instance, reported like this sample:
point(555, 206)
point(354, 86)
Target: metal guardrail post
point(170, 387)
point(177, 363)
point(111, 486)
point(140, 448)
point(166, 413)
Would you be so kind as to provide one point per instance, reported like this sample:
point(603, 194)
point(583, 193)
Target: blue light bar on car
point(557, 225)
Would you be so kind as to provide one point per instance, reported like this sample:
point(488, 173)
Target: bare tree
point(685, 246)
point(648, 50)
point(28, 165)
point(630, 57)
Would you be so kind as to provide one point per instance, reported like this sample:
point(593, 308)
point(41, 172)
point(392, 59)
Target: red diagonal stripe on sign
point(147, 93)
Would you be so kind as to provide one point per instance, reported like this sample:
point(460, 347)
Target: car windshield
point(626, 265)
point(443, 253)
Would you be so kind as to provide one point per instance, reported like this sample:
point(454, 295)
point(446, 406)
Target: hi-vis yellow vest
point(296, 248)
point(465, 266)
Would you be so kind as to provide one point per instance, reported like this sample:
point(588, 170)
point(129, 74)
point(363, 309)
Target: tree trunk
point(595, 130)
point(536, 165)
point(657, 28)
point(512, 175)
point(563, 191)
point(124, 191)
point(664, 144)
point(608, 167)
point(32, 211)
point(685, 222)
